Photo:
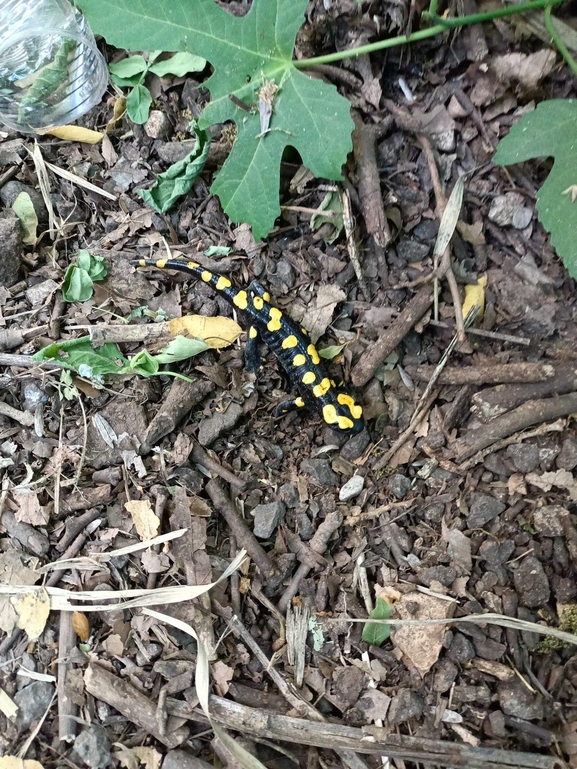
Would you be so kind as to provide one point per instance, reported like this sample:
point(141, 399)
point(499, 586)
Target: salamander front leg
point(252, 359)
point(287, 406)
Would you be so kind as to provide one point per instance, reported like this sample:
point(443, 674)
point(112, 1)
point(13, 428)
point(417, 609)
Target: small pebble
point(352, 488)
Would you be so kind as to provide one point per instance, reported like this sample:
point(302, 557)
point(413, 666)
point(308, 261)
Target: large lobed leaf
point(308, 114)
point(551, 131)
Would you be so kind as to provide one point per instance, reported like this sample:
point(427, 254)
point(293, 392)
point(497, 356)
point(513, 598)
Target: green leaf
point(126, 82)
point(128, 68)
point(330, 352)
point(77, 286)
point(179, 65)
point(143, 363)
point(177, 180)
point(181, 348)
point(331, 203)
point(138, 104)
point(95, 266)
point(79, 355)
point(246, 52)
point(23, 207)
point(550, 131)
point(217, 251)
point(375, 633)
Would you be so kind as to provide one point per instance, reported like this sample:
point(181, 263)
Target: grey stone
point(404, 706)
point(221, 422)
point(461, 649)
point(446, 575)
point(11, 240)
point(488, 649)
point(445, 673)
point(173, 152)
point(320, 471)
point(93, 747)
point(355, 446)
point(10, 191)
point(434, 513)
point(525, 456)
point(352, 488)
point(399, 485)
point(158, 126)
point(30, 537)
point(531, 583)
point(567, 458)
point(495, 554)
point(33, 701)
point(516, 700)
point(548, 520)
point(349, 682)
point(267, 518)
point(285, 273)
point(482, 509)
point(180, 759)
point(289, 494)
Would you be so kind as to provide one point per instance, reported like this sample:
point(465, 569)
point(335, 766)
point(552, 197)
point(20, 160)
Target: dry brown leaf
point(33, 609)
point(7, 705)
point(119, 110)
point(29, 508)
point(527, 69)
point(221, 675)
point(320, 312)
point(76, 133)
point(150, 757)
point(146, 522)
point(216, 332)
point(81, 625)
point(421, 644)
point(113, 645)
point(563, 479)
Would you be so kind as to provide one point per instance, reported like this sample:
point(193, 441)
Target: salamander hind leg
point(287, 406)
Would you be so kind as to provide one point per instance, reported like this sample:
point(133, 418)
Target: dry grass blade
point(79, 181)
point(449, 219)
point(477, 619)
point(202, 684)
point(44, 184)
point(68, 600)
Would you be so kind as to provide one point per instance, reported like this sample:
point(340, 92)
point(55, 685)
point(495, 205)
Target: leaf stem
point(556, 38)
point(441, 26)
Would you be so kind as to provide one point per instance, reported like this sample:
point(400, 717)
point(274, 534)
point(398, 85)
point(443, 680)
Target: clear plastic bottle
point(51, 71)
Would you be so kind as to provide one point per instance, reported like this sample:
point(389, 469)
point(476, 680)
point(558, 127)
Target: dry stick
point(352, 248)
point(67, 709)
point(527, 415)
point(494, 401)
point(393, 336)
point(267, 724)
point(555, 427)
point(288, 691)
point(76, 527)
point(71, 552)
point(202, 457)
point(244, 537)
point(487, 334)
point(159, 508)
point(129, 701)
point(318, 544)
point(488, 374)
point(27, 361)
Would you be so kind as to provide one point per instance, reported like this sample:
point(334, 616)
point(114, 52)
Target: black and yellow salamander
point(287, 340)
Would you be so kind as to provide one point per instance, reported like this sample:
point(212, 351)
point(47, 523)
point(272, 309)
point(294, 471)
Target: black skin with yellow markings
point(287, 340)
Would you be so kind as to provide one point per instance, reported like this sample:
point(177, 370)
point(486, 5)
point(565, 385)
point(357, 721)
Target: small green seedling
point(376, 633)
point(131, 72)
point(79, 279)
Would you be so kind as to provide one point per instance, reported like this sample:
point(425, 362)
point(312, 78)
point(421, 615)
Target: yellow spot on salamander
point(345, 423)
point(299, 360)
point(241, 300)
point(322, 388)
point(206, 276)
point(312, 351)
point(222, 283)
point(299, 403)
point(266, 296)
point(309, 378)
point(161, 263)
point(258, 302)
point(289, 342)
point(193, 265)
point(330, 414)
point(252, 332)
point(354, 408)
point(275, 318)
point(304, 331)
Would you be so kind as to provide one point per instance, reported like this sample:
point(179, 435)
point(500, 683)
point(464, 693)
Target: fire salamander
point(287, 340)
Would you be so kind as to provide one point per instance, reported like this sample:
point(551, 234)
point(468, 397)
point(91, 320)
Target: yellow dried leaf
point(81, 625)
point(149, 757)
point(33, 609)
point(119, 110)
point(13, 762)
point(76, 133)
point(475, 297)
point(146, 522)
point(216, 332)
